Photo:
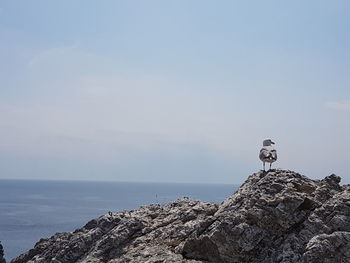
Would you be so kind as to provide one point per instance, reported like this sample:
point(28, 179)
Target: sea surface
point(30, 210)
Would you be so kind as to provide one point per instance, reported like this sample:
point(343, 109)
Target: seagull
point(267, 153)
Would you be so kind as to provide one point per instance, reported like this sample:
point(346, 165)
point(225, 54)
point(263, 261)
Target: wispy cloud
point(339, 105)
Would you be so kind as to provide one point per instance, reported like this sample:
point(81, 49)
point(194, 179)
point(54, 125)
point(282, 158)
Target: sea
point(30, 210)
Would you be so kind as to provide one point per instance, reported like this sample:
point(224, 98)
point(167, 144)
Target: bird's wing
point(268, 154)
point(264, 154)
point(274, 154)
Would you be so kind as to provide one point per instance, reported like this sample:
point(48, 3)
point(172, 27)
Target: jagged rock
point(149, 234)
point(277, 216)
point(2, 259)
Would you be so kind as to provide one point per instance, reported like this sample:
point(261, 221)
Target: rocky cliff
point(277, 216)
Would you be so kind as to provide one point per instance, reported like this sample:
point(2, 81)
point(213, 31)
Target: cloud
point(339, 105)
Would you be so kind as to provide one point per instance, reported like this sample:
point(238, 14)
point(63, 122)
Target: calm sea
point(30, 210)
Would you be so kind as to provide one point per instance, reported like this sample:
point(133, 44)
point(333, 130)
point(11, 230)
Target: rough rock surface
point(149, 234)
point(2, 259)
point(277, 216)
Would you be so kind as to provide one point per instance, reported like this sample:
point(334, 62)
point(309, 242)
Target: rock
point(148, 234)
point(331, 248)
point(279, 216)
point(2, 259)
point(276, 216)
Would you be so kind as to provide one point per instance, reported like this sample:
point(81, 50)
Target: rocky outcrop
point(277, 216)
point(2, 259)
point(149, 234)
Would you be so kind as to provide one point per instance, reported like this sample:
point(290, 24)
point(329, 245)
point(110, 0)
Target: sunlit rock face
point(276, 216)
point(148, 234)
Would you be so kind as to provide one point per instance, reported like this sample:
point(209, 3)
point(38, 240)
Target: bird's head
point(267, 142)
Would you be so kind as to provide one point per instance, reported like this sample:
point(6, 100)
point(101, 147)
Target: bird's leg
point(270, 166)
point(264, 166)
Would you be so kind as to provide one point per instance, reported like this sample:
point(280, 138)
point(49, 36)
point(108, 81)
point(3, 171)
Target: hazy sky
point(173, 91)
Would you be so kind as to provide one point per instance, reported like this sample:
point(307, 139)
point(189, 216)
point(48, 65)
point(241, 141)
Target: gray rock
point(148, 234)
point(277, 216)
point(2, 259)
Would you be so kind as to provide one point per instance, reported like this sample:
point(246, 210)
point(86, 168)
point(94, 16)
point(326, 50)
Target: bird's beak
point(272, 142)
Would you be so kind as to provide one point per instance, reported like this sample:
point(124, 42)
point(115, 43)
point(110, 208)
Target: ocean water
point(30, 210)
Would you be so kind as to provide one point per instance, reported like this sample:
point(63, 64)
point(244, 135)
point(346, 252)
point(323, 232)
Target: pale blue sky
point(173, 91)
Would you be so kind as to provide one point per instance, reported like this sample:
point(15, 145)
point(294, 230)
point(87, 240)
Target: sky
point(173, 91)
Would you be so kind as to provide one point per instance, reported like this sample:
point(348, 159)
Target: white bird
point(267, 153)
